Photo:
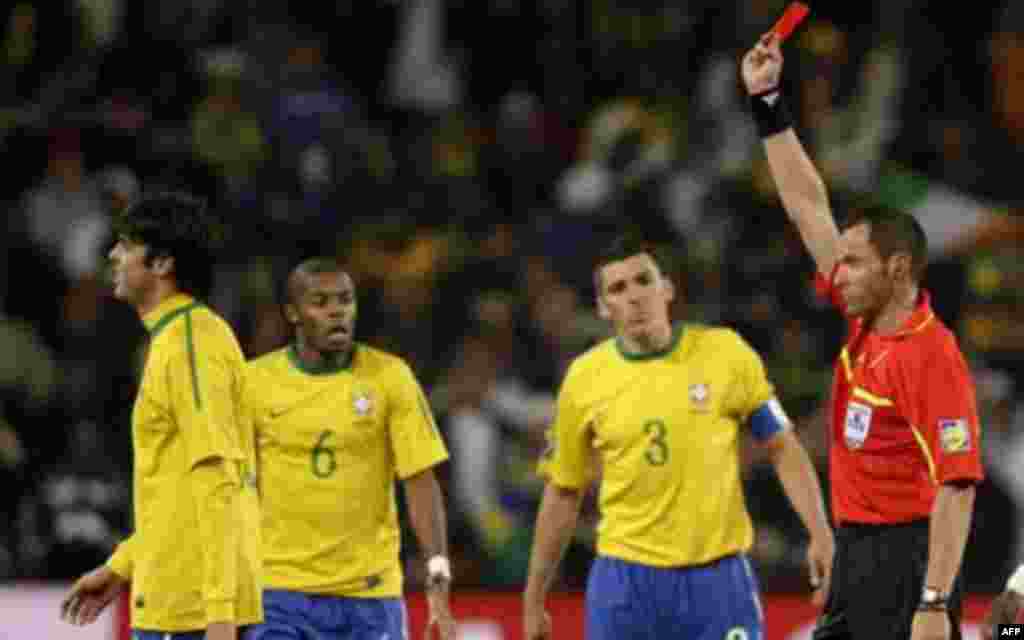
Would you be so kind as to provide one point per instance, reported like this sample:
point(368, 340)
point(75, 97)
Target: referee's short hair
point(893, 231)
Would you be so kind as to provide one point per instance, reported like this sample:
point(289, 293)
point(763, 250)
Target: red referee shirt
point(904, 418)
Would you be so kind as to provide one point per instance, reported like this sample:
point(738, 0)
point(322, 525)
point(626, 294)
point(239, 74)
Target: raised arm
point(800, 186)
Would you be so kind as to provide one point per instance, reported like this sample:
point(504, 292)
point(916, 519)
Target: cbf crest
point(700, 396)
point(363, 402)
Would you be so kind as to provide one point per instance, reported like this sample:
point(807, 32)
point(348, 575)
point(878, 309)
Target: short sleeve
point(567, 459)
point(205, 377)
point(415, 439)
point(937, 396)
point(750, 388)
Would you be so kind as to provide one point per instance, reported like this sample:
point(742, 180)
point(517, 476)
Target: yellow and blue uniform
point(194, 556)
point(662, 433)
point(332, 443)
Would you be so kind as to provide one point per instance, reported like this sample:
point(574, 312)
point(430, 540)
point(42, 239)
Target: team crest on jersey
point(954, 436)
point(858, 424)
point(362, 402)
point(700, 395)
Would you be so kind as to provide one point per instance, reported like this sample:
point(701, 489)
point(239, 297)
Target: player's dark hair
point(622, 246)
point(179, 226)
point(310, 266)
point(891, 231)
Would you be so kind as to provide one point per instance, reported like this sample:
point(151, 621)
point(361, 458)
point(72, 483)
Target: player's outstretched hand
point(1004, 610)
point(536, 622)
point(90, 595)
point(440, 614)
point(762, 65)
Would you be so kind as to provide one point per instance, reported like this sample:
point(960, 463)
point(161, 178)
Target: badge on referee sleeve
point(954, 435)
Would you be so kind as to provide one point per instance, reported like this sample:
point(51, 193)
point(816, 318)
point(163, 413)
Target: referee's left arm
point(950, 524)
point(937, 395)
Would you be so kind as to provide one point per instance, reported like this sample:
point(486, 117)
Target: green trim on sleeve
point(190, 345)
point(428, 414)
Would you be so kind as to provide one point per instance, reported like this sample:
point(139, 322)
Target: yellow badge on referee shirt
point(954, 436)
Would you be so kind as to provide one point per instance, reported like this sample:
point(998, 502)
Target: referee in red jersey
point(905, 436)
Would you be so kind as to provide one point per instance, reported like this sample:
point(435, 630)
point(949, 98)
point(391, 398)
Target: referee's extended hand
point(819, 564)
point(761, 67)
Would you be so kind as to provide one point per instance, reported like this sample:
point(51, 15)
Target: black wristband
point(770, 113)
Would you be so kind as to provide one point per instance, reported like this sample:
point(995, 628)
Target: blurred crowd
point(464, 158)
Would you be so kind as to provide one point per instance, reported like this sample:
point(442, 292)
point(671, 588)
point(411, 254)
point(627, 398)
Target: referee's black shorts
point(877, 578)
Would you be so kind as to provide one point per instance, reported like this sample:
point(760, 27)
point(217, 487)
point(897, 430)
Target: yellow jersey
point(662, 432)
point(331, 443)
point(194, 556)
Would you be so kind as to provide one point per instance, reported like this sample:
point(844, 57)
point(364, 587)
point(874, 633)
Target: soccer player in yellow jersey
point(337, 423)
point(193, 560)
point(656, 414)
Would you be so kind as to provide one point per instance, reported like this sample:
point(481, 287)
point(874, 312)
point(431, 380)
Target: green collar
point(677, 334)
point(322, 369)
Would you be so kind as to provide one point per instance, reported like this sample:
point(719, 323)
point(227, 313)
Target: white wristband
point(439, 567)
point(1016, 581)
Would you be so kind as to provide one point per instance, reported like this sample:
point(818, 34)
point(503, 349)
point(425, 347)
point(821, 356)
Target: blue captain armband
point(768, 420)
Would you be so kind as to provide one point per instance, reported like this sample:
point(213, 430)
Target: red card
point(790, 20)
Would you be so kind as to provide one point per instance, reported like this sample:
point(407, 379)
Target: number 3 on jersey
point(322, 457)
point(657, 447)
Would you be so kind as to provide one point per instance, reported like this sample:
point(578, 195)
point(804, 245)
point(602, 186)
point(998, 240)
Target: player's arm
point(566, 464)
point(426, 512)
point(752, 399)
point(800, 483)
point(799, 480)
point(555, 526)
point(427, 515)
point(417, 447)
point(90, 595)
point(800, 185)
point(205, 383)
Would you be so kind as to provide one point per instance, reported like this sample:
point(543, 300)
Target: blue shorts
point(167, 635)
point(717, 601)
point(292, 615)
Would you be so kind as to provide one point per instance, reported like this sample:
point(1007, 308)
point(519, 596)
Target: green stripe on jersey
point(191, 346)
